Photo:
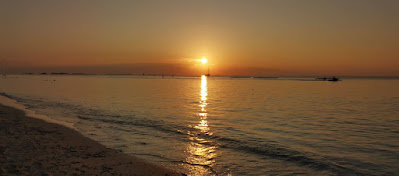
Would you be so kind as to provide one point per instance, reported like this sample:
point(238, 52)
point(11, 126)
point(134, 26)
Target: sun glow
point(204, 60)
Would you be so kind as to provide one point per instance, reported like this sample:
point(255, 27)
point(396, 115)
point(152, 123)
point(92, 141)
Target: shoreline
point(34, 146)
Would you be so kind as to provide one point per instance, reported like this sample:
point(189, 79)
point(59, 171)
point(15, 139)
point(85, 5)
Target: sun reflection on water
point(203, 125)
point(201, 153)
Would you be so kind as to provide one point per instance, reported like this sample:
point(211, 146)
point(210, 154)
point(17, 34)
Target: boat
point(334, 79)
point(208, 72)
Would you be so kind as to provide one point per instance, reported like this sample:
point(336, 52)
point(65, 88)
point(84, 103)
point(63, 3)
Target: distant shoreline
point(33, 146)
point(222, 76)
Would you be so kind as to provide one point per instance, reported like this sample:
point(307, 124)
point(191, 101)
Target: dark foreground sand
point(31, 146)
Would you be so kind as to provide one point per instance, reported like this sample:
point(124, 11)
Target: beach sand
point(30, 146)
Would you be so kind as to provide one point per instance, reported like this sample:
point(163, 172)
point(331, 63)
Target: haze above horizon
point(312, 37)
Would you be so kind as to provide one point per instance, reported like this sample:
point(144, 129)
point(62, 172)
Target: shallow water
point(237, 126)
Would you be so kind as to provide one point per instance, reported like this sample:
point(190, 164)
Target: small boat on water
point(334, 79)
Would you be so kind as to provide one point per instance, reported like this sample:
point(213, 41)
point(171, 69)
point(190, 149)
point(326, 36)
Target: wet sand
point(30, 146)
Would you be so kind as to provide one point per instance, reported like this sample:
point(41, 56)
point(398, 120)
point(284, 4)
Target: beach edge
point(34, 146)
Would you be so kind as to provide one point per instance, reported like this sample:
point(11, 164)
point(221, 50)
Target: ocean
point(228, 125)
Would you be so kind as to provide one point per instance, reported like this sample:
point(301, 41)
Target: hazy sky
point(239, 37)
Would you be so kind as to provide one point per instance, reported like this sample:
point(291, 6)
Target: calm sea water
point(229, 126)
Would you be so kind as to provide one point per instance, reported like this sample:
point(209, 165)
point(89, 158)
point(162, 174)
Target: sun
point(204, 60)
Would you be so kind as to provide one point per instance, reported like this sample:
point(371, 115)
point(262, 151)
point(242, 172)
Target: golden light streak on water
point(201, 156)
point(203, 124)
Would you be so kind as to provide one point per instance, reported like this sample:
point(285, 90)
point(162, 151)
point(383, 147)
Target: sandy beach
point(32, 146)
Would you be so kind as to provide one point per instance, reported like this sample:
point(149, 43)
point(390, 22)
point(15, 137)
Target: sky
point(238, 37)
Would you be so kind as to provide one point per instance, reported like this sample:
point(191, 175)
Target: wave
point(274, 151)
point(249, 145)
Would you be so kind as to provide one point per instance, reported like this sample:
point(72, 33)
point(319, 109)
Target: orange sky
point(252, 37)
